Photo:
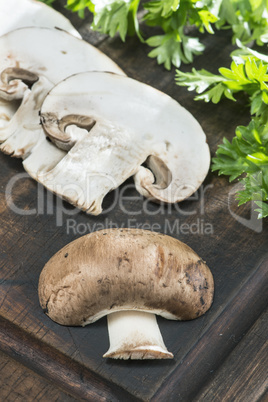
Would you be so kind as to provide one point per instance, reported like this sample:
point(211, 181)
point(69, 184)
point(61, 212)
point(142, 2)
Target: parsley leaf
point(246, 157)
point(173, 45)
point(174, 48)
point(250, 76)
point(203, 80)
point(247, 154)
point(247, 19)
point(111, 16)
point(79, 6)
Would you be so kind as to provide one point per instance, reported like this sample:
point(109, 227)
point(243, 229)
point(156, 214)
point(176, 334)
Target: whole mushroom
point(129, 275)
point(131, 124)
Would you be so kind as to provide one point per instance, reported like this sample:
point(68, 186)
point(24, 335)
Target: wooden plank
point(63, 371)
point(28, 242)
point(19, 383)
point(243, 376)
point(222, 337)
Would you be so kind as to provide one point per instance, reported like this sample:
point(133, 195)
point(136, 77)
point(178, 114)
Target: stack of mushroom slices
point(29, 68)
point(133, 274)
point(16, 14)
point(103, 127)
point(110, 125)
point(28, 73)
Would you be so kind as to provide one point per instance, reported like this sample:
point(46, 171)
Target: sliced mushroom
point(29, 68)
point(133, 123)
point(129, 275)
point(7, 110)
point(23, 13)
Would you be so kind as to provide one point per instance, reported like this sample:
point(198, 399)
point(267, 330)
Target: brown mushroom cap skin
point(124, 269)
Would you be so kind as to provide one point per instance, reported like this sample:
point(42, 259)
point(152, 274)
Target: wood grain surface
point(19, 383)
point(214, 354)
point(243, 376)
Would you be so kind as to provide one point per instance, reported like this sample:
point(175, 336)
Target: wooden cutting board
point(35, 224)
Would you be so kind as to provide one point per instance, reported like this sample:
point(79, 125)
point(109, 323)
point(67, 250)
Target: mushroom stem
point(135, 335)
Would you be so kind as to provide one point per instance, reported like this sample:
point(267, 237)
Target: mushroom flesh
point(25, 13)
point(129, 275)
point(29, 68)
point(111, 125)
point(22, 13)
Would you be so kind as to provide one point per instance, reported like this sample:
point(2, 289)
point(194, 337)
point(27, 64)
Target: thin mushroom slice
point(44, 156)
point(7, 111)
point(24, 13)
point(41, 66)
point(95, 165)
point(133, 123)
point(129, 275)
point(24, 130)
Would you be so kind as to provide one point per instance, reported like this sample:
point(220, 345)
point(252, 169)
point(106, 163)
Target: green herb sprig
point(246, 157)
point(246, 18)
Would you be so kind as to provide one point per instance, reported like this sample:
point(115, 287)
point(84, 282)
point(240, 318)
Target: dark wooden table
point(221, 356)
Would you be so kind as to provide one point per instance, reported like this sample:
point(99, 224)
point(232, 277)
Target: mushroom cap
point(134, 123)
point(124, 269)
point(22, 13)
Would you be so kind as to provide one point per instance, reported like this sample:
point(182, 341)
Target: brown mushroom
point(129, 275)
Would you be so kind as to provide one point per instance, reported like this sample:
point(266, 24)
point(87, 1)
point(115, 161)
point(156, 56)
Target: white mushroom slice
point(29, 68)
point(28, 139)
point(129, 275)
point(16, 14)
point(7, 110)
point(133, 123)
